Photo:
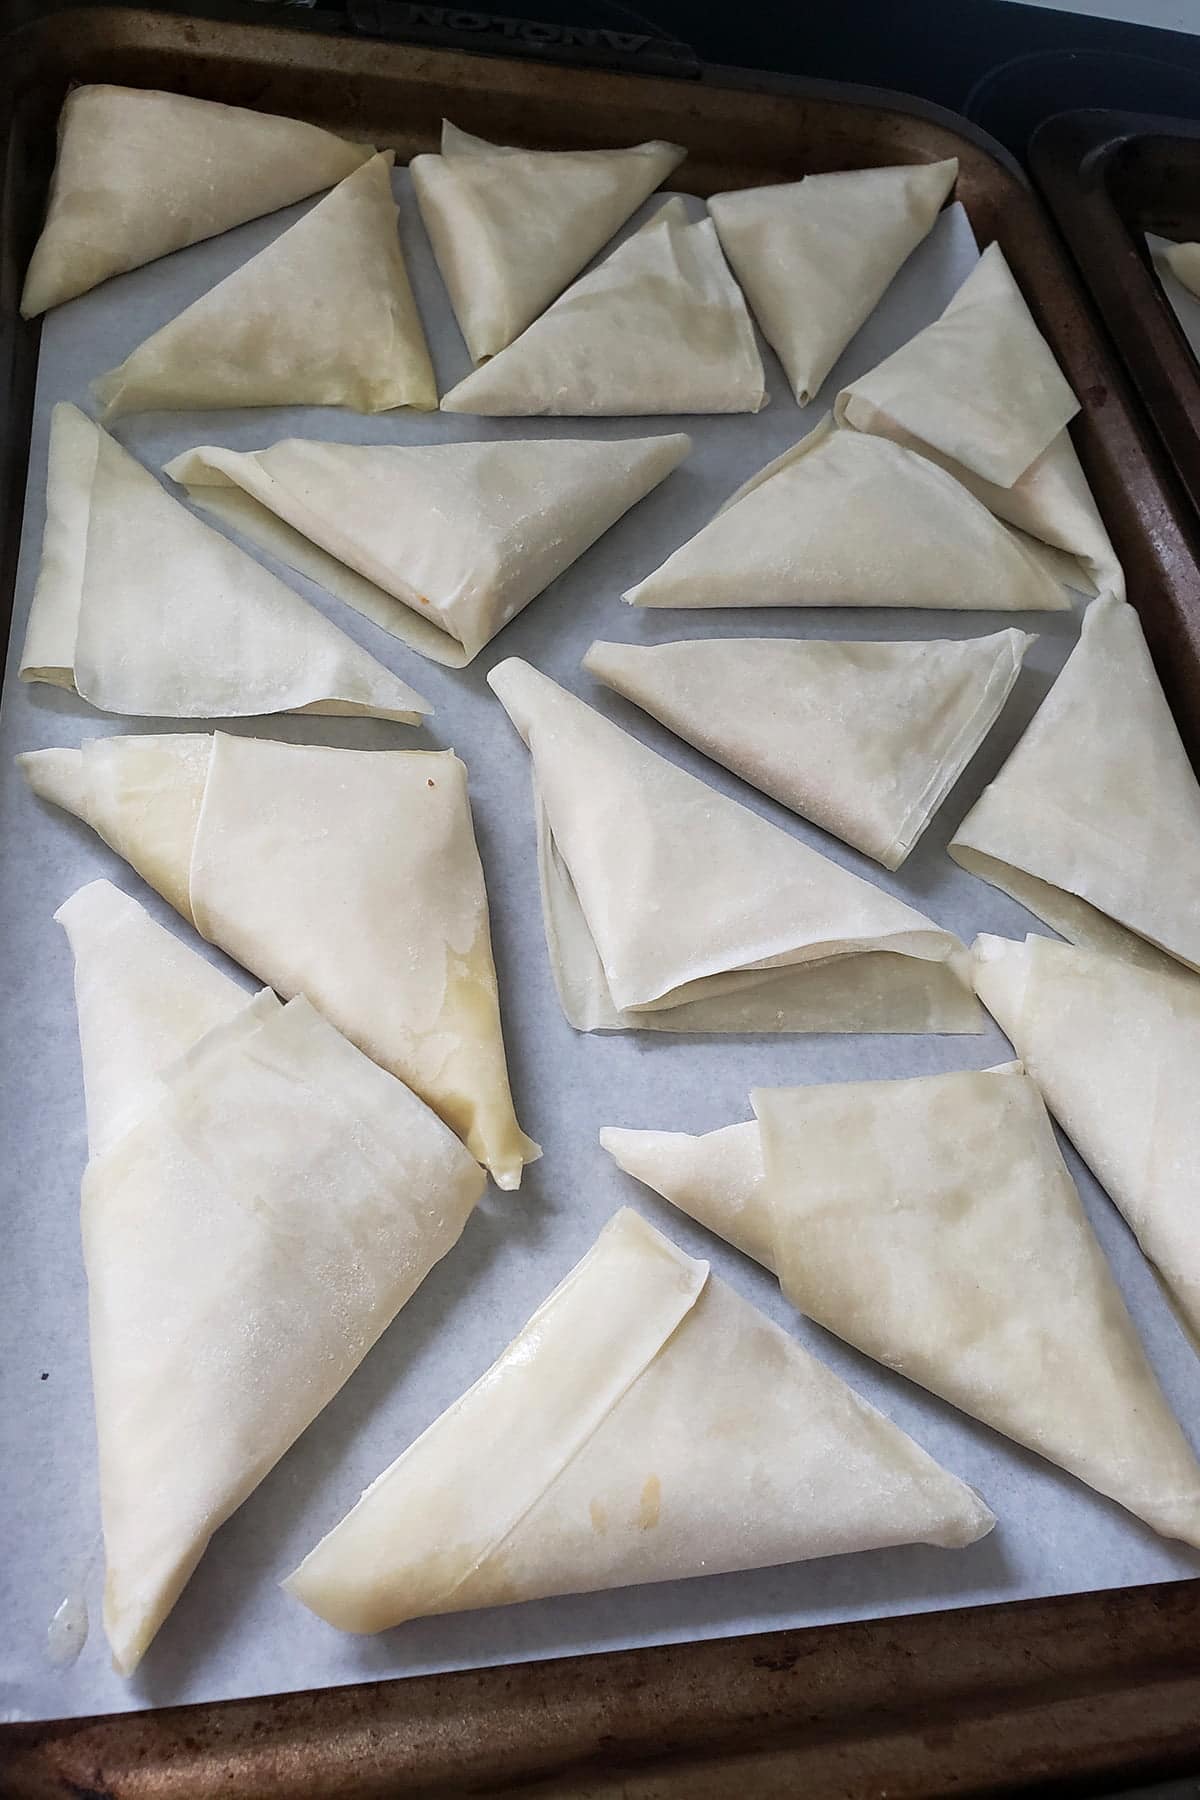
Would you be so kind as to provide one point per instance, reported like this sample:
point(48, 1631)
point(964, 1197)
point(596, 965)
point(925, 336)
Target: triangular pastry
point(979, 392)
point(659, 326)
point(1116, 1051)
point(668, 907)
point(141, 173)
point(846, 520)
point(932, 1224)
point(980, 384)
point(864, 739)
point(142, 609)
point(324, 316)
point(815, 257)
point(510, 228)
point(1095, 817)
point(350, 876)
point(717, 1179)
point(611, 1443)
point(1183, 260)
point(260, 1206)
point(441, 544)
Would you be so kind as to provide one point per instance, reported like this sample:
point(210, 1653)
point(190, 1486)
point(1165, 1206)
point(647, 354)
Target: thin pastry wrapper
point(716, 1178)
point(1097, 830)
point(142, 1000)
point(932, 1224)
point(659, 326)
point(669, 907)
point(973, 422)
point(140, 608)
point(618, 1448)
point(510, 227)
point(846, 520)
point(1115, 1050)
point(141, 173)
point(255, 1221)
point(866, 740)
point(815, 257)
point(350, 876)
point(441, 544)
point(1183, 260)
point(980, 385)
point(1051, 503)
point(324, 316)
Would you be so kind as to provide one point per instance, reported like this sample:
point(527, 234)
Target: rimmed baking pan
point(1110, 178)
point(1094, 1688)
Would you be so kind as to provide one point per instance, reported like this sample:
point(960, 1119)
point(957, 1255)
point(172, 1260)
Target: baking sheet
point(1184, 304)
point(234, 1632)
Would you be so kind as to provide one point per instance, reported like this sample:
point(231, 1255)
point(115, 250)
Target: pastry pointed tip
point(54, 775)
point(507, 1173)
point(622, 1145)
point(975, 1520)
point(91, 904)
point(511, 681)
point(602, 659)
point(106, 392)
point(395, 701)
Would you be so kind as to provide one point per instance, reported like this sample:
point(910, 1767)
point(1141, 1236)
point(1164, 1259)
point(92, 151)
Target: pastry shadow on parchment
point(293, 728)
point(923, 872)
point(924, 869)
point(304, 1495)
point(908, 1578)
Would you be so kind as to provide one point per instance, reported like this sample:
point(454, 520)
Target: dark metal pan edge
point(1074, 1692)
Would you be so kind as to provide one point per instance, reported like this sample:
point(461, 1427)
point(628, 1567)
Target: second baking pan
point(1109, 178)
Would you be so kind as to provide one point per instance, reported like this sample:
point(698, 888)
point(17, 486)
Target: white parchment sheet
point(1184, 303)
point(234, 1632)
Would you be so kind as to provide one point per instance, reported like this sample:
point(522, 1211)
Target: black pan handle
point(628, 45)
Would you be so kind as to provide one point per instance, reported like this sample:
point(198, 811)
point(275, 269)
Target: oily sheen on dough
point(668, 907)
point(350, 876)
point(1115, 1050)
point(865, 739)
point(511, 227)
point(660, 326)
point(611, 1443)
point(141, 173)
point(261, 1203)
point(846, 520)
point(815, 257)
point(441, 544)
point(324, 316)
point(142, 609)
point(1093, 823)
